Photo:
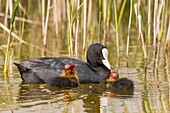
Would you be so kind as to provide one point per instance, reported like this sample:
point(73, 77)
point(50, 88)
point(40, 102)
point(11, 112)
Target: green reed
point(117, 22)
point(6, 65)
point(73, 19)
point(121, 12)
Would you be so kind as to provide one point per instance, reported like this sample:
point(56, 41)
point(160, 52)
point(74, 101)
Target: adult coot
point(45, 70)
point(119, 84)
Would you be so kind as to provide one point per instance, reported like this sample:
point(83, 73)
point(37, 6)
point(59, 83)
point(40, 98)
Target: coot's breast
point(49, 68)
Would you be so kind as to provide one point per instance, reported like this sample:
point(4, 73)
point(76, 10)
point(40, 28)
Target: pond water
point(151, 93)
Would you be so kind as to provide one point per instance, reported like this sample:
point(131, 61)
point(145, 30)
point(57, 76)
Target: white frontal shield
point(105, 60)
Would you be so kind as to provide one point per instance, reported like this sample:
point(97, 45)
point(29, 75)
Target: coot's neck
point(102, 71)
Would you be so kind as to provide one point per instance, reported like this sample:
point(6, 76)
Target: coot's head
point(97, 56)
point(113, 76)
point(70, 71)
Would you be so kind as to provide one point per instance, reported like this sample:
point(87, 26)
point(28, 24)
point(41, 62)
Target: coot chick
point(46, 69)
point(68, 78)
point(117, 84)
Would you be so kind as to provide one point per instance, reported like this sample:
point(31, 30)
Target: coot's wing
point(50, 68)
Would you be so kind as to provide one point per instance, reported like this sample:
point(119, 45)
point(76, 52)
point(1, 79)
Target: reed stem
point(77, 30)
point(84, 24)
point(104, 20)
point(6, 65)
point(11, 7)
point(55, 17)
point(89, 13)
point(149, 22)
point(161, 9)
point(121, 12)
point(6, 13)
point(116, 23)
point(155, 24)
point(43, 16)
point(129, 25)
point(21, 35)
point(0, 4)
point(168, 35)
point(45, 28)
point(166, 20)
point(149, 29)
point(69, 40)
point(139, 21)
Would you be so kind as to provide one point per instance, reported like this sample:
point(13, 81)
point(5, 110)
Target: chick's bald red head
point(113, 76)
